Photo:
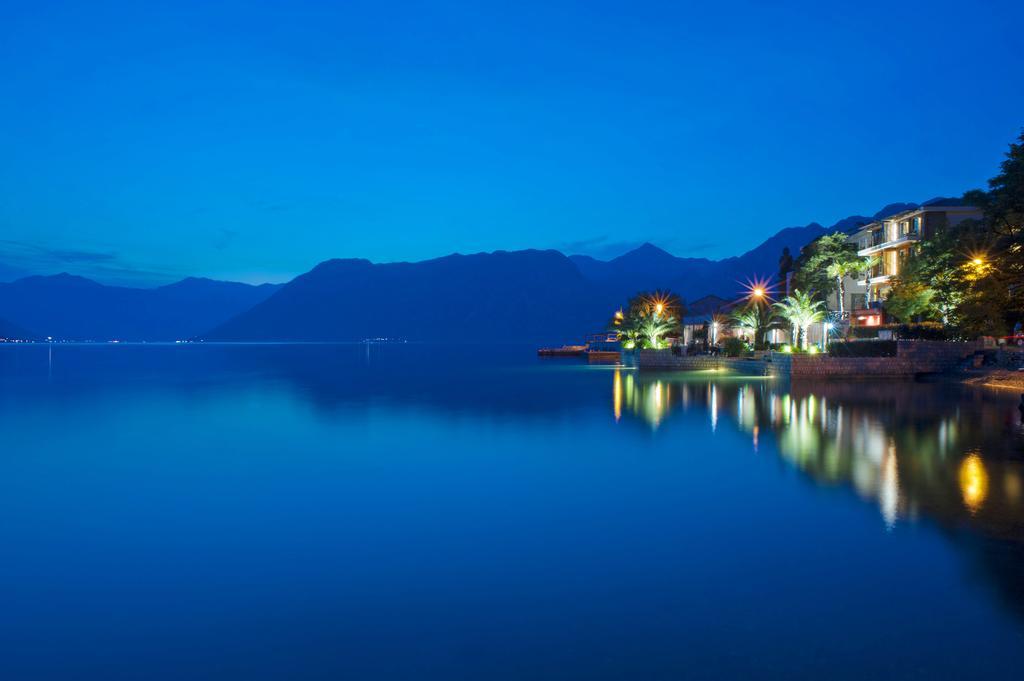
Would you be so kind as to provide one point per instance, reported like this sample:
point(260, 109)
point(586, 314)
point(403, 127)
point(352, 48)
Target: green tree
point(648, 319)
point(1001, 289)
point(655, 327)
point(785, 267)
point(800, 310)
point(971, 276)
point(757, 318)
point(825, 263)
point(930, 286)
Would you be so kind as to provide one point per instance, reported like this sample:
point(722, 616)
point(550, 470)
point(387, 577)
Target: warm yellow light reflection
point(1012, 487)
point(617, 395)
point(973, 482)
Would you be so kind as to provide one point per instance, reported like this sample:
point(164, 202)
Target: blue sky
point(251, 140)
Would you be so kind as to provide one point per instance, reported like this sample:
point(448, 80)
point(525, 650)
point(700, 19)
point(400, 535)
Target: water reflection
point(910, 449)
point(973, 482)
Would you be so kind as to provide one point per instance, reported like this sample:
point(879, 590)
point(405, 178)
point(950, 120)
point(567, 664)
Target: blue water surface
point(438, 512)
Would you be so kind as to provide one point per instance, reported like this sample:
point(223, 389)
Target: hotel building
point(891, 241)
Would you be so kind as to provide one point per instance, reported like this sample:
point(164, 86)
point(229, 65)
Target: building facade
point(889, 242)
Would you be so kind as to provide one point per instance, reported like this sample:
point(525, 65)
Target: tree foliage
point(757, 318)
point(648, 319)
point(824, 264)
point(800, 310)
point(971, 276)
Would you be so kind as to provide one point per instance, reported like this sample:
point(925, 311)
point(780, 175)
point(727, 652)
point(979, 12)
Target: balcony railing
point(878, 244)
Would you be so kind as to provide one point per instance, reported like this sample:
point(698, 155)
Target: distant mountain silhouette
point(12, 272)
point(706, 306)
point(501, 296)
point(513, 296)
point(521, 295)
point(9, 331)
point(894, 208)
point(74, 308)
point(649, 267)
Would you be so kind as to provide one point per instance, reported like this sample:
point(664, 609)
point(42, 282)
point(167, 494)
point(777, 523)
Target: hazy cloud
point(25, 258)
point(23, 250)
point(80, 256)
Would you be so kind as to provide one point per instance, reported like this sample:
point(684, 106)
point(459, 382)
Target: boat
point(600, 347)
point(564, 351)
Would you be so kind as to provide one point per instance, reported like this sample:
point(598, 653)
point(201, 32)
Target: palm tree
point(842, 268)
point(758, 319)
point(800, 310)
point(654, 325)
point(647, 318)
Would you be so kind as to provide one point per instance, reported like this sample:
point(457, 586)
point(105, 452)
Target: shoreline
point(998, 379)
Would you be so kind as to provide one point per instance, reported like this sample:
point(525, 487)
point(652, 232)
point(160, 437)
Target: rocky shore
point(998, 378)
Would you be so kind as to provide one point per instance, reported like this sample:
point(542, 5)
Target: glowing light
point(757, 290)
point(714, 407)
point(659, 308)
point(889, 490)
point(617, 395)
point(787, 348)
point(973, 482)
point(618, 314)
point(978, 264)
point(813, 350)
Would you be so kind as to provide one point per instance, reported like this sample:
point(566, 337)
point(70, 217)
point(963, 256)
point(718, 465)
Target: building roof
point(935, 205)
point(697, 319)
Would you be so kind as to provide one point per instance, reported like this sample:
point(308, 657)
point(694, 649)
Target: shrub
point(917, 331)
point(923, 331)
point(863, 349)
point(734, 347)
point(864, 331)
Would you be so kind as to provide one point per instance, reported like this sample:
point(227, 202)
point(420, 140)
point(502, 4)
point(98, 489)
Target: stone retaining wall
point(823, 366)
point(912, 358)
point(664, 360)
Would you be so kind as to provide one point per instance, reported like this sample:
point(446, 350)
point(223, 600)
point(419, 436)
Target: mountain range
point(514, 296)
point(74, 308)
point(15, 332)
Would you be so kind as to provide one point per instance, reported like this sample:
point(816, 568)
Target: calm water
point(411, 512)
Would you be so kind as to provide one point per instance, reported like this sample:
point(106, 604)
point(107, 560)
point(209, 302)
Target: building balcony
point(909, 238)
point(874, 279)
